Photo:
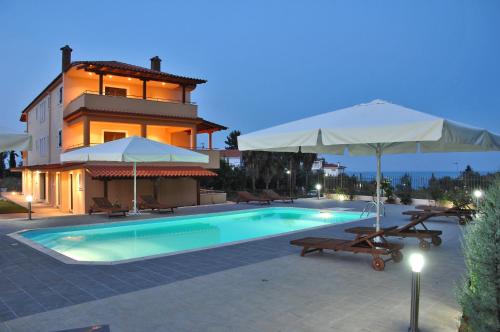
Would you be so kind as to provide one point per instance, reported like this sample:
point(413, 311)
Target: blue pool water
point(136, 239)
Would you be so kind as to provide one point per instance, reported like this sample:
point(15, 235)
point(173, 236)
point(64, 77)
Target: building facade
point(93, 102)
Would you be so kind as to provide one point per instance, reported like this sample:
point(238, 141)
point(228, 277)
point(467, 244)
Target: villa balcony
point(131, 104)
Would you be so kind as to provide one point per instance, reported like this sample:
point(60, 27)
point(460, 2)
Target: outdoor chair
point(408, 230)
point(374, 244)
point(273, 196)
point(245, 196)
point(102, 204)
point(149, 202)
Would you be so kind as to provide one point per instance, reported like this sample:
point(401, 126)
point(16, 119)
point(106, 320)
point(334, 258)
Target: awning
point(104, 171)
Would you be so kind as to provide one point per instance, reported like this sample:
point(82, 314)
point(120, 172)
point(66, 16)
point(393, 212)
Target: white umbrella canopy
point(10, 140)
point(134, 149)
point(374, 128)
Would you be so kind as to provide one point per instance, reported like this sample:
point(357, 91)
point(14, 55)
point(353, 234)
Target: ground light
point(416, 263)
point(29, 199)
point(477, 194)
point(318, 189)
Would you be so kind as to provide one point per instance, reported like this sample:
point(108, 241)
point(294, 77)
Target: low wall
point(415, 201)
point(212, 198)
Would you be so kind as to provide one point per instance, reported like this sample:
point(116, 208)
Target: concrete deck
point(256, 286)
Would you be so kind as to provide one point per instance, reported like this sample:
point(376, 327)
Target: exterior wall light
point(416, 263)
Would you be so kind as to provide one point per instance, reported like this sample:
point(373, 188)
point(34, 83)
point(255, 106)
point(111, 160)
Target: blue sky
point(269, 62)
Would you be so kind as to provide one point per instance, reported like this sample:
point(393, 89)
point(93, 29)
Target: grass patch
point(9, 207)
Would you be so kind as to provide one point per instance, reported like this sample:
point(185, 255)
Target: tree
point(2, 164)
point(479, 295)
point(232, 140)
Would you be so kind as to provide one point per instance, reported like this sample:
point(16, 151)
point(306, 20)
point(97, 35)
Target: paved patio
point(255, 286)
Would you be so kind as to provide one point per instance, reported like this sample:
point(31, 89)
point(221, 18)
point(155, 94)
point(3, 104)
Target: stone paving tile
point(33, 282)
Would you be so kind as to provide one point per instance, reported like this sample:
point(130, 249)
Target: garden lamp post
point(318, 189)
point(477, 194)
point(289, 173)
point(29, 199)
point(416, 263)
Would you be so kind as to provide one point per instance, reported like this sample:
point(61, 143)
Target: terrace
point(252, 286)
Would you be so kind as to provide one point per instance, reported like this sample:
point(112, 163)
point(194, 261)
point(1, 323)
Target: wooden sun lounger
point(408, 230)
point(245, 196)
point(273, 196)
point(149, 202)
point(373, 243)
point(463, 214)
point(102, 204)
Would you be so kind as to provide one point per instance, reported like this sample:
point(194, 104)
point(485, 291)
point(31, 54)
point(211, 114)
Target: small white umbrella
point(10, 140)
point(134, 149)
point(374, 128)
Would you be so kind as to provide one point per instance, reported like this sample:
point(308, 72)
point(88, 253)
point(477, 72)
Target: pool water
point(136, 239)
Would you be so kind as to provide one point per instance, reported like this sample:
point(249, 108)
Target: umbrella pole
point(378, 152)
point(135, 188)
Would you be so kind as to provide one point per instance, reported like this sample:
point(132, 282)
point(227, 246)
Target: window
point(59, 138)
point(118, 92)
point(60, 95)
point(113, 135)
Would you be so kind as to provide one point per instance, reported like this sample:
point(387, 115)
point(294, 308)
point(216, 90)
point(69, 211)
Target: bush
point(404, 190)
point(458, 196)
point(388, 191)
point(436, 191)
point(479, 296)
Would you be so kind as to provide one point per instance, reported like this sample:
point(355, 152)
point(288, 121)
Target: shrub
point(404, 190)
point(436, 190)
point(458, 196)
point(388, 190)
point(479, 295)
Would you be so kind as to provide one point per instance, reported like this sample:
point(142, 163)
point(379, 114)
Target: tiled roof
point(103, 171)
point(121, 66)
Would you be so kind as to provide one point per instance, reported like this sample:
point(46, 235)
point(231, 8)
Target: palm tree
point(269, 166)
point(251, 164)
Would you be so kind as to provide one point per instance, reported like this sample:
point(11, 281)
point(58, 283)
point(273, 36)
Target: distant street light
point(318, 189)
point(29, 199)
point(416, 263)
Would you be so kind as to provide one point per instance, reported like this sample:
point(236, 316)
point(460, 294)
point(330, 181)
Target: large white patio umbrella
point(10, 140)
point(375, 128)
point(134, 149)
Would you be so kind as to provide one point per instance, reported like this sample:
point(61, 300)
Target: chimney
point(66, 57)
point(156, 63)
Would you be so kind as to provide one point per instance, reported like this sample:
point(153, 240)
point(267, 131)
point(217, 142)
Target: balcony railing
point(131, 104)
point(141, 97)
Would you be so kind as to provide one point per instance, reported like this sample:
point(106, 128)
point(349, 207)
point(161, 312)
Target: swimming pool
point(125, 241)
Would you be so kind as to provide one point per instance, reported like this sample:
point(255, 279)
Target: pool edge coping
point(70, 261)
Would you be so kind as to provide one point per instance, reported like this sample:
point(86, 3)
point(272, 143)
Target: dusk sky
point(269, 62)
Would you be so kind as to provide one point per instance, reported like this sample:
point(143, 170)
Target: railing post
point(101, 83)
point(144, 92)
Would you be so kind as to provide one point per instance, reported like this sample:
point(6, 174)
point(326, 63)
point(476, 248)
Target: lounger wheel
point(436, 240)
point(397, 256)
point(424, 245)
point(378, 264)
